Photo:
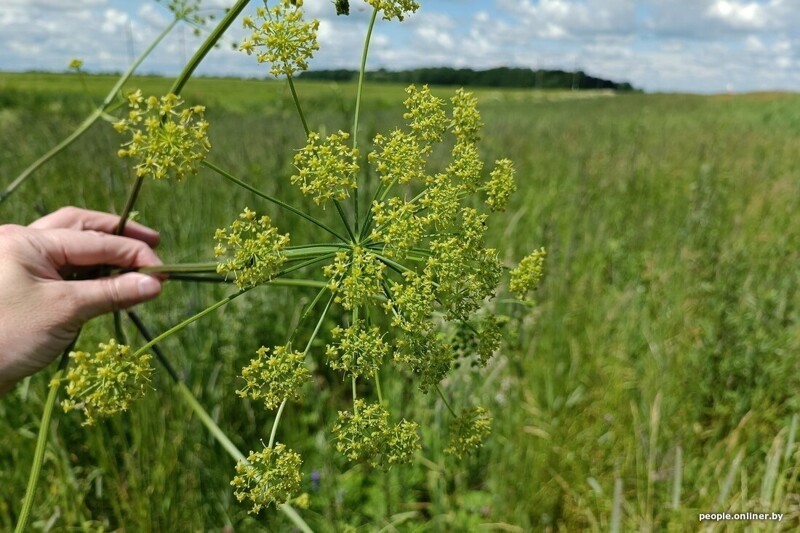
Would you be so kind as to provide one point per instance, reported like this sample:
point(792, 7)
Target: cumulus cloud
point(694, 45)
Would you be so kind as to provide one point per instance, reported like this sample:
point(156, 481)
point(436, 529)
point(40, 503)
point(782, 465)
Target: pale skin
point(40, 311)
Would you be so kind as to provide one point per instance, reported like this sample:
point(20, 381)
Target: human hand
point(40, 312)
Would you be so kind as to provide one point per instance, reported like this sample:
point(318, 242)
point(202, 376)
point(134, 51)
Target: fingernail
point(149, 287)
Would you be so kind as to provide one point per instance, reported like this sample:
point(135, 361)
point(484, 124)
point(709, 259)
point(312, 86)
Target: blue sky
point(658, 45)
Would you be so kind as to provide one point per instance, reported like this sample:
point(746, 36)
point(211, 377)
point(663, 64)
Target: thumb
point(99, 296)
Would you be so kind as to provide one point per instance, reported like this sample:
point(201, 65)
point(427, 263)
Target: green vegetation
point(656, 378)
point(467, 77)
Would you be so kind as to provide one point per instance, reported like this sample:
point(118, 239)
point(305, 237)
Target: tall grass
point(656, 378)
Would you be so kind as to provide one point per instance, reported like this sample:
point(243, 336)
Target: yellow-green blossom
point(76, 64)
point(359, 350)
point(501, 185)
point(397, 226)
point(442, 201)
point(394, 8)
point(165, 142)
point(468, 431)
point(398, 158)
point(466, 165)
point(528, 273)
point(425, 114)
point(106, 382)
point(282, 38)
point(272, 377)
point(251, 249)
point(326, 170)
point(355, 277)
point(426, 355)
point(271, 476)
point(412, 302)
point(466, 117)
point(185, 10)
point(365, 434)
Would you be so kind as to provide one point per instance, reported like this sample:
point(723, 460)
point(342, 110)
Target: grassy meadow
point(657, 377)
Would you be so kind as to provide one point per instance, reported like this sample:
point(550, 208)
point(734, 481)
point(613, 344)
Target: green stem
point(344, 221)
point(274, 200)
point(318, 326)
point(378, 387)
point(297, 105)
point(359, 92)
point(355, 397)
point(190, 320)
point(128, 73)
point(41, 441)
point(278, 415)
point(276, 422)
point(207, 45)
point(209, 423)
point(87, 123)
point(212, 426)
point(129, 203)
point(361, 74)
point(441, 395)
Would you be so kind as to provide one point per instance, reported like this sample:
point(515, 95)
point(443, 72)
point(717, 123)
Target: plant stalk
point(41, 441)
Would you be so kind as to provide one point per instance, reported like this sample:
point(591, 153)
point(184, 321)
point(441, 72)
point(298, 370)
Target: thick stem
point(207, 45)
point(41, 441)
point(272, 199)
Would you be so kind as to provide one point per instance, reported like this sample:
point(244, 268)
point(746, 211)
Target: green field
point(657, 377)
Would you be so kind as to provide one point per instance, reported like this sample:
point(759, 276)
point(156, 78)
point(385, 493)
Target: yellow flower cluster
point(501, 185)
point(326, 170)
point(282, 38)
point(528, 273)
point(355, 277)
point(106, 382)
point(271, 476)
point(251, 248)
point(365, 434)
point(271, 377)
point(165, 142)
point(468, 431)
point(397, 9)
point(359, 350)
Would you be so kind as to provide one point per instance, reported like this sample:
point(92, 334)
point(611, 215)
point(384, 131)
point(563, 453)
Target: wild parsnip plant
point(407, 272)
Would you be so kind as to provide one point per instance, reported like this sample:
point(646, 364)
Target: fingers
point(88, 248)
point(96, 297)
point(84, 219)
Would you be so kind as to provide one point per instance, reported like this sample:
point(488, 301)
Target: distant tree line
point(496, 77)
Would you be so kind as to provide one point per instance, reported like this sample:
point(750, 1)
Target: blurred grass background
point(656, 378)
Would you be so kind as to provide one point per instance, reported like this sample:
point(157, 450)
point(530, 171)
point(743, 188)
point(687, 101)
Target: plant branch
point(41, 441)
point(272, 199)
